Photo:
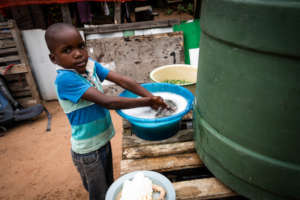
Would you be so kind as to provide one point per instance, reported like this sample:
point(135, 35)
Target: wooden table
point(176, 158)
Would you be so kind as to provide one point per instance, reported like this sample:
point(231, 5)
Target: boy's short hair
point(51, 32)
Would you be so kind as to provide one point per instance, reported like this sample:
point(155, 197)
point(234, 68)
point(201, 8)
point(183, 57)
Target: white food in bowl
point(140, 188)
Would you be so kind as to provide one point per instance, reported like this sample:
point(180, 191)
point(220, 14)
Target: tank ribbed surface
point(247, 110)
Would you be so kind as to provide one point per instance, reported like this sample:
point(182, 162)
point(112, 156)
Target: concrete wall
point(41, 66)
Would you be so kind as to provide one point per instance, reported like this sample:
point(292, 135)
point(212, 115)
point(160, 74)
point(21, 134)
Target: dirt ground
point(37, 165)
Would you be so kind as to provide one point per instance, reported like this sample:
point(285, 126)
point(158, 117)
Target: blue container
point(158, 128)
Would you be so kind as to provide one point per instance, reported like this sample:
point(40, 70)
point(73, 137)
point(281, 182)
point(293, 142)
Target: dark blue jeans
point(96, 171)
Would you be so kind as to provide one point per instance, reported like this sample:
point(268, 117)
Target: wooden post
point(117, 17)
point(66, 13)
point(110, 28)
point(23, 57)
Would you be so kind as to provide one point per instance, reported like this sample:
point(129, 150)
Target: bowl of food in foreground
point(150, 124)
point(141, 185)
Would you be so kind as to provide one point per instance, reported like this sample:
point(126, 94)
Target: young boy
point(80, 94)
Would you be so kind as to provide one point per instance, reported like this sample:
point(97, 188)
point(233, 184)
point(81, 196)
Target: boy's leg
point(93, 172)
point(106, 157)
point(76, 160)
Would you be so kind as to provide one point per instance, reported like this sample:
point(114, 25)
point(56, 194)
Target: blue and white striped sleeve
point(70, 86)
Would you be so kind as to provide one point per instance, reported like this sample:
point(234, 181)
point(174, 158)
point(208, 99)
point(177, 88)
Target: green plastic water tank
point(247, 109)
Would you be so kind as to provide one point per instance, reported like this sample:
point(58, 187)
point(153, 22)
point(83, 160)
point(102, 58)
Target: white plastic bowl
point(181, 72)
point(155, 177)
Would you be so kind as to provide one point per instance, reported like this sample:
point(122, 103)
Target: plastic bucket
point(158, 128)
point(185, 75)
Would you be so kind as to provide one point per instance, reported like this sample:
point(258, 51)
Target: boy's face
point(69, 51)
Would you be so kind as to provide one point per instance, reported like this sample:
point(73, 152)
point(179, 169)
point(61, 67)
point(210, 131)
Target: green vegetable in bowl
point(179, 82)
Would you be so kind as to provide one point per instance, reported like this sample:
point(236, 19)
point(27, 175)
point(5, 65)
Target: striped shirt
point(91, 124)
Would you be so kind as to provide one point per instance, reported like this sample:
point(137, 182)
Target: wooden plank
point(9, 59)
point(6, 34)
point(27, 101)
point(17, 79)
point(17, 88)
point(19, 44)
point(7, 44)
point(23, 56)
point(117, 13)
point(181, 136)
point(4, 25)
point(23, 93)
point(158, 150)
point(206, 188)
point(16, 69)
point(162, 164)
point(109, 28)
point(8, 51)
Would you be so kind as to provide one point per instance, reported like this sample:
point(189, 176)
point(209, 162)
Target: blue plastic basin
point(158, 128)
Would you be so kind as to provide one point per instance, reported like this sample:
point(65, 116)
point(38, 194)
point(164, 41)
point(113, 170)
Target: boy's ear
point(52, 58)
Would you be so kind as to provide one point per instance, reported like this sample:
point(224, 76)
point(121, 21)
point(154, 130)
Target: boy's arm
point(113, 102)
point(128, 84)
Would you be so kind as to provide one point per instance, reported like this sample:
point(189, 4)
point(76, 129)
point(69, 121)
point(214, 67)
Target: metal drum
point(247, 106)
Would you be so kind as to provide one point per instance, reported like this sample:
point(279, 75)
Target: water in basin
point(148, 113)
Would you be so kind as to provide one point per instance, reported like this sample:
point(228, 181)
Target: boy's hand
point(157, 102)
